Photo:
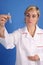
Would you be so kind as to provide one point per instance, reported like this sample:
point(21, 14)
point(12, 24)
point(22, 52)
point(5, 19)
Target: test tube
point(10, 20)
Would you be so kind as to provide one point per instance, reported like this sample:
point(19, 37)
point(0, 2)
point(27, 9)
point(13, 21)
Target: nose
point(30, 18)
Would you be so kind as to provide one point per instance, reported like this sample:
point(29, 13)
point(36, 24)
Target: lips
point(30, 22)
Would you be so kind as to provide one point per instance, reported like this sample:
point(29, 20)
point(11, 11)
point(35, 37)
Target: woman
point(28, 40)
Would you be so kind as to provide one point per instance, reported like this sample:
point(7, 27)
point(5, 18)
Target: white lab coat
point(26, 45)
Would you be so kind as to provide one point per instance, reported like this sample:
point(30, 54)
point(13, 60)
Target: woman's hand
point(3, 20)
point(33, 58)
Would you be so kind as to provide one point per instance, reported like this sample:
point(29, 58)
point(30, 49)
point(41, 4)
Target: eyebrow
point(32, 13)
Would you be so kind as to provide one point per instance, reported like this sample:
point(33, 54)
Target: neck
point(31, 30)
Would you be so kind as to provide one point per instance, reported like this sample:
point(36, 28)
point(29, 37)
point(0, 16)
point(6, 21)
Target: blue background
point(16, 9)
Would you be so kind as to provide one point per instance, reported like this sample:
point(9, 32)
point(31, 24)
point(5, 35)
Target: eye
point(34, 16)
point(28, 15)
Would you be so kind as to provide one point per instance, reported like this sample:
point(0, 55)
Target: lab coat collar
point(27, 33)
point(37, 29)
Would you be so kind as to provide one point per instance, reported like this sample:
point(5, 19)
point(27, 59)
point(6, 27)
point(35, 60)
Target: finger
point(5, 16)
point(36, 57)
point(2, 21)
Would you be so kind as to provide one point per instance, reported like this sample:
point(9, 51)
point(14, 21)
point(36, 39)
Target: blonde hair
point(32, 8)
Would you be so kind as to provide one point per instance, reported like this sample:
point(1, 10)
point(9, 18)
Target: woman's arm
point(6, 39)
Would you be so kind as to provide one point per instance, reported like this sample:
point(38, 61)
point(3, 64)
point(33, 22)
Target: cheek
point(27, 20)
point(36, 20)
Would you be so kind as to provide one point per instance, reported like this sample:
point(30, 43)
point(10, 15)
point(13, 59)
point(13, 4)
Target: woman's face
point(31, 18)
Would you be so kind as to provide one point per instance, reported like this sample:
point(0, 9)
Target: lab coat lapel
point(26, 34)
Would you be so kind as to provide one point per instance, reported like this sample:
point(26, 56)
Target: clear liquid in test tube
point(10, 20)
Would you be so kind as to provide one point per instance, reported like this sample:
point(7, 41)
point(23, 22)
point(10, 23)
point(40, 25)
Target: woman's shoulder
point(20, 30)
point(40, 30)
